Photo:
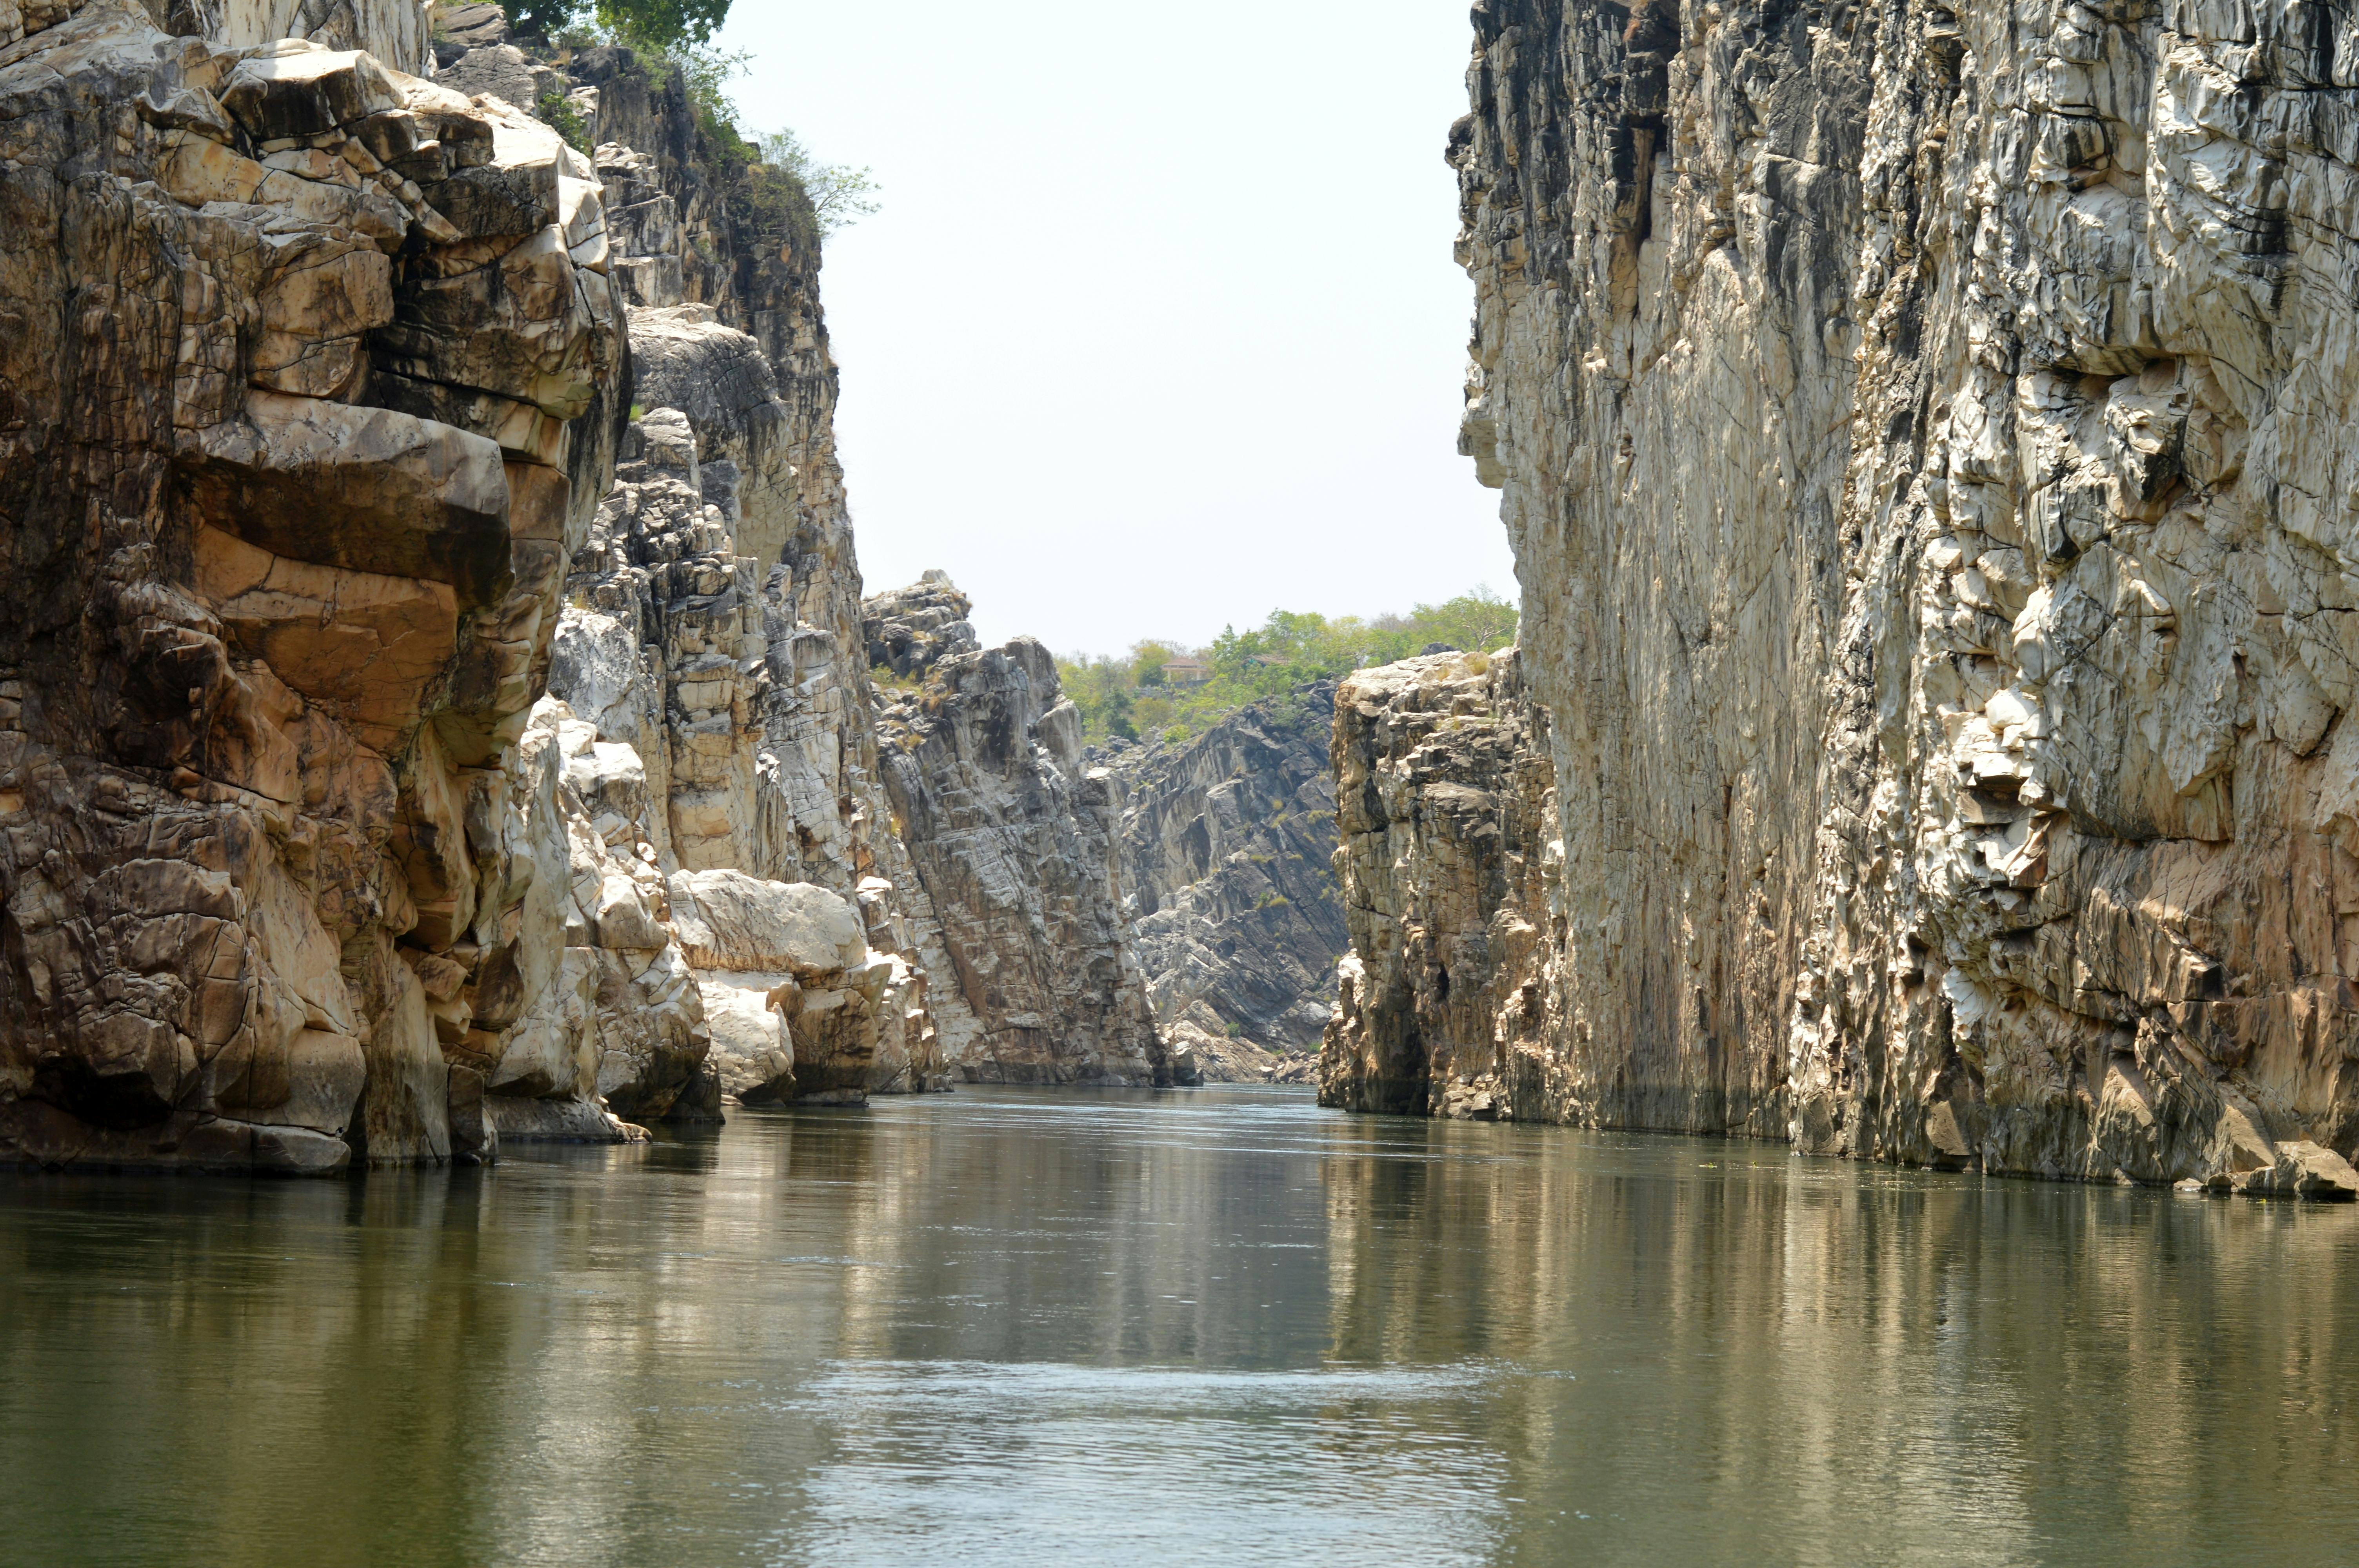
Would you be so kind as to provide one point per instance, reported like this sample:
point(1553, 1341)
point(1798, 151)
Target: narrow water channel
point(1220, 1326)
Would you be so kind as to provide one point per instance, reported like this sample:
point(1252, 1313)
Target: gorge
point(1728, 1058)
point(447, 714)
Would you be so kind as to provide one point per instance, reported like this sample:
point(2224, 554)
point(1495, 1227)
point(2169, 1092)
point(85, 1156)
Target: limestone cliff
point(1923, 433)
point(1226, 844)
point(1019, 909)
point(309, 389)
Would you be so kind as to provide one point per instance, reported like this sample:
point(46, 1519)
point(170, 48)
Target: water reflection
point(1207, 1327)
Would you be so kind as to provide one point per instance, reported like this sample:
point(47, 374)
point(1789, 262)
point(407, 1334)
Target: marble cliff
point(326, 833)
point(706, 680)
point(1445, 808)
point(1923, 435)
point(1226, 849)
point(1017, 906)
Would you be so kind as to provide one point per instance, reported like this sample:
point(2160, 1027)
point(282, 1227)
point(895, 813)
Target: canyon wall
point(711, 636)
point(1923, 436)
point(1446, 806)
point(310, 386)
point(318, 379)
point(1017, 905)
point(1227, 842)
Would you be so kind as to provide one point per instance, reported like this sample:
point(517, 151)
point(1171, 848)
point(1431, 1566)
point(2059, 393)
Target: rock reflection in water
point(1223, 1326)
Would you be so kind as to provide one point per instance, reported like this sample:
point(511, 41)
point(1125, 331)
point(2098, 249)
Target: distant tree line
point(1130, 696)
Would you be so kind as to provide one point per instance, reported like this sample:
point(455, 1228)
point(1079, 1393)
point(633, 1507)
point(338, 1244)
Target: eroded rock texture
point(1227, 849)
point(718, 736)
point(1923, 434)
point(1446, 806)
point(1017, 905)
point(307, 392)
point(713, 638)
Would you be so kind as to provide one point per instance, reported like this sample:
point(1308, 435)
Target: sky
point(1157, 330)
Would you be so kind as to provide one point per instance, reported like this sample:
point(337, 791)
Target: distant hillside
point(1132, 697)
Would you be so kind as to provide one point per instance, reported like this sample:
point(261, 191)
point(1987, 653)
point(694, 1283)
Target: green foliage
point(541, 19)
point(839, 194)
point(659, 25)
point(1129, 696)
point(883, 676)
point(664, 24)
point(565, 120)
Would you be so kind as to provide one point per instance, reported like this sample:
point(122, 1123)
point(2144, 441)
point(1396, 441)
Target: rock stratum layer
point(1227, 843)
point(311, 385)
point(1013, 839)
point(312, 398)
point(1446, 806)
point(1925, 437)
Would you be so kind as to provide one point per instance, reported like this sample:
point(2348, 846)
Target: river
point(1219, 1326)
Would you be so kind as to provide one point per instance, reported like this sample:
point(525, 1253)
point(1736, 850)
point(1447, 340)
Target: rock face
point(1923, 436)
point(309, 391)
point(720, 727)
point(1013, 839)
point(312, 410)
point(1227, 847)
point(712, 634)
point(1446, 805)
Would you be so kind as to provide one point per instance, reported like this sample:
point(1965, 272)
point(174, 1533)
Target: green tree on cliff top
point(660, 25)
point(1128, 696)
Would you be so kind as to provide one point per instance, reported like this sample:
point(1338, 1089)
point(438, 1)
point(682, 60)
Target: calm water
point(1221, 1326)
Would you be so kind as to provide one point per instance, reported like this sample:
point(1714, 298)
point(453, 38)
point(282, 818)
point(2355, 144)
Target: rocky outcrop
point(699, 687)
point(1227, 846)
point(1013, 839)
point(1922, 435)
point(710, 603)
point(309, 390)
point(1446, 805)
point(395, 31)
point(910, 629)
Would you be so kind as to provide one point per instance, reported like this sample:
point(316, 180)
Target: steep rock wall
point(1013, 837)
point(1922, 434)
point(1446, 806)
point(711, 602)
point(309, 389)
point(1227, 847)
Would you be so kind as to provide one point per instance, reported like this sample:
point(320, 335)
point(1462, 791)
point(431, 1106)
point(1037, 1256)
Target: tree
point(663, 24)
point(658, 24)
point(541, 19)
point(1480, 621)
point(839, 194)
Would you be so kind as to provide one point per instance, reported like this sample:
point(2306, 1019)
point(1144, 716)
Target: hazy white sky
point(1158, 329)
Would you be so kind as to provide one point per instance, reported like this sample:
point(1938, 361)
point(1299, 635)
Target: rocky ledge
point(1445, 802)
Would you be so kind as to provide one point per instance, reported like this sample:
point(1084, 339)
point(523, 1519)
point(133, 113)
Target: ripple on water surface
point(1220, 1327)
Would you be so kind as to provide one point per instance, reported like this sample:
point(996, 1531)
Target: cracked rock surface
point(287, 544)
point(310, 411)
point(1923, 436)
point(1227, 846)
point(1017, 903)
point(1445, 804)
